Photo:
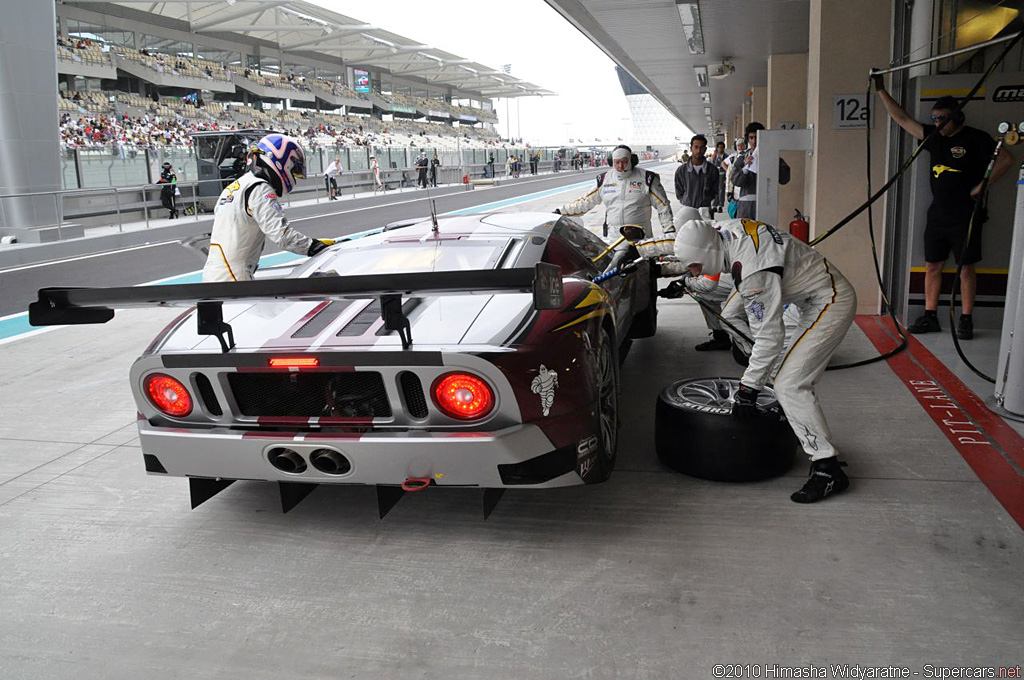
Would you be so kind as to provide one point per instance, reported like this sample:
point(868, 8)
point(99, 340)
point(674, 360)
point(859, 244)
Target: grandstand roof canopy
point(300, 26)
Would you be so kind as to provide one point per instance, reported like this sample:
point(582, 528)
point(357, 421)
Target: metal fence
point(124, 166)
point(116, 185)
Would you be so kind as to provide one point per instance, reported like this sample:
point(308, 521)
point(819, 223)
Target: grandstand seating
point(171, 65)
point(135, 121)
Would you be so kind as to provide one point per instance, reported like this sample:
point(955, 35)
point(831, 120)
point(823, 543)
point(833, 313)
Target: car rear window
point(417, 256)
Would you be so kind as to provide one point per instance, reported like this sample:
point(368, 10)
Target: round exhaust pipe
point(287, 460)
point(330, 462)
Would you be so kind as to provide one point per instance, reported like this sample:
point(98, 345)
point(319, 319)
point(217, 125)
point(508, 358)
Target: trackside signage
point(1008, 93)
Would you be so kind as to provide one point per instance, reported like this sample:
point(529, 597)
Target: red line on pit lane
point(988, 444)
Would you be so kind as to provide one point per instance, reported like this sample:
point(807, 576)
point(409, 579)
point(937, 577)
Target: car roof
point(504, 225)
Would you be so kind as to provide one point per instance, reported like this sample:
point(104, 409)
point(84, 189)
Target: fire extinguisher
point(799, 228)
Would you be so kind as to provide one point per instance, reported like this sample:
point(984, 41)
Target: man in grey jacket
point(744, 174)
point(697, 180)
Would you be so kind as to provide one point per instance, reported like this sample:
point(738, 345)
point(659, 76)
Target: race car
point(468, 351)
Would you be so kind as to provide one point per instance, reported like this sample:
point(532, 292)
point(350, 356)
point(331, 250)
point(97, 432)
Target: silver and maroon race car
point(437, 353)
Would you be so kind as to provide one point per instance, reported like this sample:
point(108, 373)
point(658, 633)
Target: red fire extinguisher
point(799, 227)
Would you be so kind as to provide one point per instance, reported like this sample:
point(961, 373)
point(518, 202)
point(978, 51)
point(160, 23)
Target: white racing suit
point(771, 269)
point(712, 290)
point(247, 213)
point(627, 200)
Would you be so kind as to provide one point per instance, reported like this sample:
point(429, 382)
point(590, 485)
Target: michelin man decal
point(544, 385)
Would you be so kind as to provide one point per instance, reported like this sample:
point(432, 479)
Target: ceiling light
point(689, 15)
point(705, 97)
point(707, 110)
point(702, 75)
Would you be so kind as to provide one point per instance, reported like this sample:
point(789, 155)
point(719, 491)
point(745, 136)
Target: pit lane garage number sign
point(852, 111)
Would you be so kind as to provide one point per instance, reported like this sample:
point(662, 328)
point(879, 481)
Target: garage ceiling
point(646, 38)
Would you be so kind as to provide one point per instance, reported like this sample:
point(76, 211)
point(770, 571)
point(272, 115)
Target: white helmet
point(685, 214)
point(698, 242)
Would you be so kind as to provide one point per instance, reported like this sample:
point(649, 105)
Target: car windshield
point(411, 257)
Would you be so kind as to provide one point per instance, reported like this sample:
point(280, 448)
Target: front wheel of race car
point(696, 434)
point(645, 324)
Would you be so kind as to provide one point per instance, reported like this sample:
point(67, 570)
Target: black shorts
point(943, 238)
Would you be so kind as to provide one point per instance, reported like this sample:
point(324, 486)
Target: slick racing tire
point(696, 434)
point(645, 324)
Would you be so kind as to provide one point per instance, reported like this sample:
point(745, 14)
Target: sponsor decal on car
point(586, 455)
point(544, 385)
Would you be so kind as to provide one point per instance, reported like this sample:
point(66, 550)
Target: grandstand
point(136, 76)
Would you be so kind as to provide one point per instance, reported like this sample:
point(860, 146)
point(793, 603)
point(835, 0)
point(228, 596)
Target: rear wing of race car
point(64, 306)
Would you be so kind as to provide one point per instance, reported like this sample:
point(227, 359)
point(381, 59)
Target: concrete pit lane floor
point(106, 574)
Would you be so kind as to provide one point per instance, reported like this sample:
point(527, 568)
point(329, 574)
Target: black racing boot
point(827, 478)
point(926, 323)
point(965, 329)
point(719, 342)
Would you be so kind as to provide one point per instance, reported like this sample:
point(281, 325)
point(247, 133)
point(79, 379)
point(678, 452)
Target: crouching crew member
point(627, 192)
point(712, 290)
point(248, 212)
point(770, 270)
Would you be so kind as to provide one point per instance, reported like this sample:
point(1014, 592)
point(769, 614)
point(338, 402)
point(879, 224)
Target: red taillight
point(294, 362)
point(463, 396)
point(168, 395)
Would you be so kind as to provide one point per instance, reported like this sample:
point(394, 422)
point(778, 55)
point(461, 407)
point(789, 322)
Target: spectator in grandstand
point(435, 163)
point(331, 175)
point(169, 190)
point(697, 181)
point(248, 211)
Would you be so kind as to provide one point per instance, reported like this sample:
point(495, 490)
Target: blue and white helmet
point(282, 156)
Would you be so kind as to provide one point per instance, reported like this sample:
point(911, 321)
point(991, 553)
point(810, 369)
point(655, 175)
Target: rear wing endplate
point(65, 306)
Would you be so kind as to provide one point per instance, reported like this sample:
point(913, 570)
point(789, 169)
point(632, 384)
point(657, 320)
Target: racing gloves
point(316, 246)
point(675, 289)
point(744, 404)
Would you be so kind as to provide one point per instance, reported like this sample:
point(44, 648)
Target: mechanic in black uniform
point(169, 184)
point(959, 155)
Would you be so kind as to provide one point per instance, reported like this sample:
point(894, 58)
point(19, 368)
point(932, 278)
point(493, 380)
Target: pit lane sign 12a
point(852, 111)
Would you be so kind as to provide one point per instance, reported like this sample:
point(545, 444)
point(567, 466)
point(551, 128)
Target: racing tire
point(695, 433)
point(739, 356)
point(607, 410)
point(645, 324)
point(624, 348)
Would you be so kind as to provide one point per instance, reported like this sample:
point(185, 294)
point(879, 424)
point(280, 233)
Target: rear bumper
point(524, 453)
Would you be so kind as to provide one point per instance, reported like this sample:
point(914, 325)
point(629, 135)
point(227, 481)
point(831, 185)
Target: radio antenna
point(433, 208)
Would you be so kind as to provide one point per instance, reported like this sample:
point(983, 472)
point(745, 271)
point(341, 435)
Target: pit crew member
point(770, 269)
point(627, 192)
point(248, 211)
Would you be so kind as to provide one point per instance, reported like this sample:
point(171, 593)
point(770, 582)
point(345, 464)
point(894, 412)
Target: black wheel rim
point(609, 399)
